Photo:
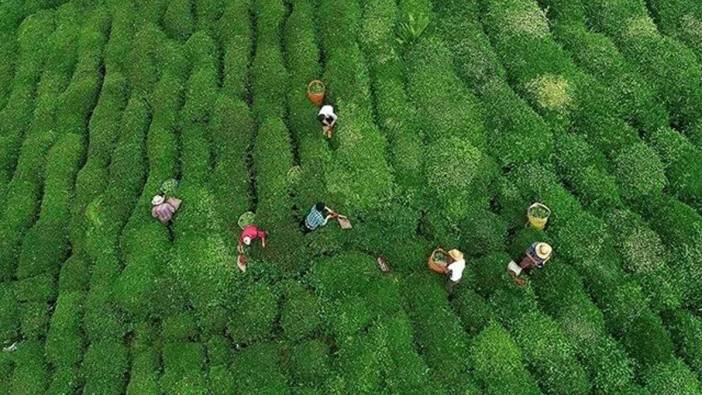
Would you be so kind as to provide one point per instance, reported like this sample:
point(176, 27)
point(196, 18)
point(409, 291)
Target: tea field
point(454, 117)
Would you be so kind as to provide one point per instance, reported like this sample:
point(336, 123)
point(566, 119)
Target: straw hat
point(455, 254)
point(543, 250)
point(158, 199)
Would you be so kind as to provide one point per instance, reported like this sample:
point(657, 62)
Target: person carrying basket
point(451, 263)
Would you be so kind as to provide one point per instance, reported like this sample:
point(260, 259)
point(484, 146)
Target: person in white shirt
point(454, 270)
point(328, 119)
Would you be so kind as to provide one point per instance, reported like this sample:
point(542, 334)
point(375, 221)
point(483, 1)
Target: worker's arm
point(240, 247)
point(263, 239)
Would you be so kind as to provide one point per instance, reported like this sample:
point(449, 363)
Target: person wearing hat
point(163, 208)
point(536, 256)
point(454, 270)
point(247, 236)
point(328, 119)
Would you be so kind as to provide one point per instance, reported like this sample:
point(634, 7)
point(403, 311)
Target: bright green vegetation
point(454, 117)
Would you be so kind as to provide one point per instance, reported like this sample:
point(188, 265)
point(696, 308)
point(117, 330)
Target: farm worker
point(318, 216)
point(454, 271)
point(247, 236)
point(536, 256)
point(164, 208)
point(328, 119)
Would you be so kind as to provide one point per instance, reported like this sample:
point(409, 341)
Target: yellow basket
point(539, 222)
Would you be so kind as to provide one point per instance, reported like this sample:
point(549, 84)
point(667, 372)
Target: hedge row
point(516, 133)
point(635, 96)
point(538, 68)
point(498, 363)
point(145, 242)
point(438, 333)
point(198, 230)
point(680, 20)
point(106, 216)
point(679, 227)
point(395, 113)
point(41, 249)
point(16, 116)
point(103, 129)
point(369, 362)
point(516, 308)
point(682, 161)
point(635, 33)
point(24, 190)
point(183, 364)
point(236, 32)
point(257, 370)
point(359, 177)
point(686, 331)
point(302, 56)
point(584, 241)
point(30, 375)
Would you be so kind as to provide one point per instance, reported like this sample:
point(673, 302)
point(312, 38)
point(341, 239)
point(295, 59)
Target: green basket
point(246, 219)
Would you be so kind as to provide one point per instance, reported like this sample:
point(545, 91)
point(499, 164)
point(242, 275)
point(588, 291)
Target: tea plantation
point(454, 117)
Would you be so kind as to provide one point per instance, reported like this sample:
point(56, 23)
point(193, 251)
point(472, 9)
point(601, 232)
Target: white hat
point(456, 254)
point(247, 240)
point(543, 250)
point(158, 199)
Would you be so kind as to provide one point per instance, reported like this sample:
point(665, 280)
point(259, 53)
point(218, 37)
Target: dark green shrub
point(183, 364)
point(232, 129)
point(269, 81)
point(74, 275)
point(309, 363)
point(673, 377)
point(541, 70)
point(639, 171)
point(257, 370)
point(682, 161)
point(107, 378)
point(498, 363)
point(637, 340)
point(64, 344)
point(550, 355)
point(178, 19)
point(679, 19)
point(143, 376)
point(254, 315)
point(585, 168)
point(9, 314)
point(516, 133)
point(430, 84)
point(272, 160)
point(46, 243)
point(180, 327)
point(221, 380)
point(300, 312)
point(236, 34)
point(629, 24)
point(30, 375)
point(473, 311)
point(438, 332)
point(64, 381)
point(611, 371)
point(34, 319)
point(686, 331)
point(458, 175)
point(219, 350)
point(39, 288)
point(396, 114)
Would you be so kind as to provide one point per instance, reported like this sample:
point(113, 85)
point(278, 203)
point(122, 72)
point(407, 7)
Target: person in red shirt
point(247, 236)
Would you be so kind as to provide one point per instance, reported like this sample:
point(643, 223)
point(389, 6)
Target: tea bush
point(674, 376)
point(498, 363)
point(629, 24)
point(686, 330)
point(444, 139)
point(102, 377)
